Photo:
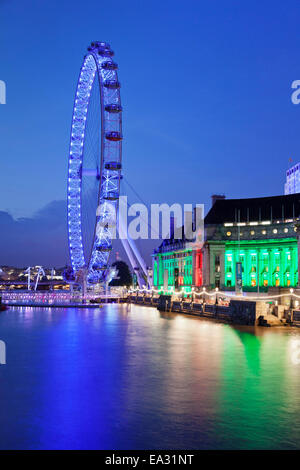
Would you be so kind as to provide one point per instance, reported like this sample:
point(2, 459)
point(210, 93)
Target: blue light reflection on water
point(126, 377)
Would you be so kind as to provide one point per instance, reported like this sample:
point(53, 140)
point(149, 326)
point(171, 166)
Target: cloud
point(41, 239)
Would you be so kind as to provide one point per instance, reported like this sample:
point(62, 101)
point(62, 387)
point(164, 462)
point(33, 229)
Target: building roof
point(172, 242)
point(254, 209)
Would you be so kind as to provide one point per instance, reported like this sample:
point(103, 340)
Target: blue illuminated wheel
point(94, 163)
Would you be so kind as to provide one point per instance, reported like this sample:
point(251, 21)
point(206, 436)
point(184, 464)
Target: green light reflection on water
point(258, 397)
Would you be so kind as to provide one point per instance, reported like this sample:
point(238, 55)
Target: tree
point(124, 277)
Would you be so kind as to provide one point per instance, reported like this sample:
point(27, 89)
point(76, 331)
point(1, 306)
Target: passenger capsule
point(111, 196)
point(114, 166)
point(105, 52)
point(107, 225)
point(113, 108)
point(112, 84)
point(114, 136)
point(104, 248)
point(99, 268)
point(109, 66)
point(100, 44)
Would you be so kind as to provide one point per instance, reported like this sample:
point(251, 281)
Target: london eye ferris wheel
point(95, 157)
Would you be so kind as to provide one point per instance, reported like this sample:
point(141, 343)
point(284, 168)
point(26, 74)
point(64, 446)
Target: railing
point(296, 316)
point(54, 297)
point(194, 308)
point(209, 308)
point(47, 297)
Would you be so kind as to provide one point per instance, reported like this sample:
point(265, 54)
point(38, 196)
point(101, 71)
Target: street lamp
point(291, 298)
point(203, 290)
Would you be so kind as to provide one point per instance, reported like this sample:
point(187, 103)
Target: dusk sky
point(206, 93)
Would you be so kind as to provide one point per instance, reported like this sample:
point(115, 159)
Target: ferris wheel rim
point(97, 65)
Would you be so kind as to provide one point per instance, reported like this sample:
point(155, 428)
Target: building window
point(275, 230)
point(286, 230)
point(252, 232)
point(228, 234)
point(264, 232)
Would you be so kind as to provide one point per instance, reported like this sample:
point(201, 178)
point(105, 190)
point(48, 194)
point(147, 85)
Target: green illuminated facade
point(261, 233)
point(176, 266)
point(267, 263)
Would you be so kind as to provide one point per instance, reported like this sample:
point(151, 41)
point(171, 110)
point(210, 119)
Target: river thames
point(129, 377)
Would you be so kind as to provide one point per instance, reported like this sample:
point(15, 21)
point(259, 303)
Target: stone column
point(234, 260)
point(222, 266)
point(195, 262)
point(206, 264)
point(212, 254)
point(282, 274)
point(269, 251)
point(294, 254)
point(298, 254)
point(259, 267)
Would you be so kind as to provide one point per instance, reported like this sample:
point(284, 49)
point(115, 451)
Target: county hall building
point(259, 233)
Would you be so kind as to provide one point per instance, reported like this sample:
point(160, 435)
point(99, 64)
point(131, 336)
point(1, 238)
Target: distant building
point(292, 184)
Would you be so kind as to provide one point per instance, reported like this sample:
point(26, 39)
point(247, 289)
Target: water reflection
point(251, 342)
point(129, 377)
